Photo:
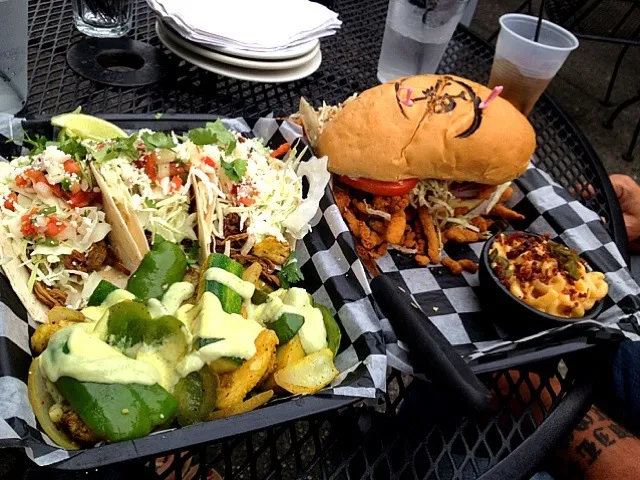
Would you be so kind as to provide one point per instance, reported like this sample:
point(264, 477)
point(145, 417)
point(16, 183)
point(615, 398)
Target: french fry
point(286, 355)
point(244, 407)
point(235, 385)
point(352, 222)
point(309, 374)
point(429, 229)
point(479, 222)
point(505, 213)
point(395, 229)
point(422, 260)
point(506, 195)
point(368, 237)
point(461, 235)
point(468, 265)
point(452, 265)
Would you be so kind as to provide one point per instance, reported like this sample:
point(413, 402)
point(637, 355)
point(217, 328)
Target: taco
point(55, 241)
point(147, 189)
point(249, 198)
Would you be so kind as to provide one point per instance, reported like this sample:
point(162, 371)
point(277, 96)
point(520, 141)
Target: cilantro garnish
point(290, 272)
point(116, 148)
point(65, 183)
point(150, 203)
point(38, 145)
point(213, 133)
point(235, 170)
point(192, 253)
point(157, 140)
point(72, 146)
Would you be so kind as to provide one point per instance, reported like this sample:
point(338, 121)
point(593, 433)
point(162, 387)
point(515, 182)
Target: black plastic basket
point(351, 442)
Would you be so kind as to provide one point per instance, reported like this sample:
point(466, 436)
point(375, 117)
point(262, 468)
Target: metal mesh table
point(411, 434)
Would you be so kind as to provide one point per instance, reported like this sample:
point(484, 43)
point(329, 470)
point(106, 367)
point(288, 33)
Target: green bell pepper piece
point(164, 265)
point(126, 324)
point(286, 326)
point(116, 412)
point(100, 293)
point(334, 336)
point(196, 396)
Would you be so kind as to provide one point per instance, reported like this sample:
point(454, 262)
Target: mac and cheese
point(546, 275)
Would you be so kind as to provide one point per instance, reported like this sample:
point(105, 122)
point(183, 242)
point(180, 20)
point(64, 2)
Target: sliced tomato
point(10, 201)
point(72, 167)
point(83, 199)
point(54, 227)
point(246, 201)
point(209, 161)
point(150, 160)
point(386, 189)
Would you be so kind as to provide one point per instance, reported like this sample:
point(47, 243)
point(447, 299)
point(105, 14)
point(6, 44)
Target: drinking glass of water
point(416, 35)
point(103, 18)
point(13, 55)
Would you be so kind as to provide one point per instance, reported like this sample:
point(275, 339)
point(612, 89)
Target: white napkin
point(248, 24)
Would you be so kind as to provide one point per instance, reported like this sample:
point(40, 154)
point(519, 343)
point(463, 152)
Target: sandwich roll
point(428, 126)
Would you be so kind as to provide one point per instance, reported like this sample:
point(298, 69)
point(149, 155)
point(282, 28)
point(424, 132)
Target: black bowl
point(511, 313)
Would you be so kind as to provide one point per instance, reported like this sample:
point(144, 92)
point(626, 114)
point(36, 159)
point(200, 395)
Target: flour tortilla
point(204, 212)
point(127, 236)
point(19, 274)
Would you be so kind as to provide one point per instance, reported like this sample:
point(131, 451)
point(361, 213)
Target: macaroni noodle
point(546, 275)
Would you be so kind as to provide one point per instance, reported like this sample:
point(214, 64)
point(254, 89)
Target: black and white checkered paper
point(452, 302)
point(333, 274)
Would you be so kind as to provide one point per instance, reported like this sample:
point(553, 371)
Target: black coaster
point(118, 62)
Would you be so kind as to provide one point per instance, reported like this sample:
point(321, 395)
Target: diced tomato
point(150, 160)
point(27, 228)
point(22, 181)
point(10, 201)
point(36, 176)
point(281, 151)
point(72, 167)
point(54, 227)
point(209, 161)
point(83, 199)
point(176, 183)
point(387, 189)
point(243, 193)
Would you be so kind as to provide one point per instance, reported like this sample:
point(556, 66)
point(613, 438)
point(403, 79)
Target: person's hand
point(628, 192)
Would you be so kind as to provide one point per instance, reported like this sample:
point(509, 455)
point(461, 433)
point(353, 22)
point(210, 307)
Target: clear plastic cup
point(13, 55)
point(523, 66)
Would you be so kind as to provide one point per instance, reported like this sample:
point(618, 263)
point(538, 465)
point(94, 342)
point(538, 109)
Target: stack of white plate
point(254, 40)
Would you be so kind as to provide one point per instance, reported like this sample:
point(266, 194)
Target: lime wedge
point(87, 126)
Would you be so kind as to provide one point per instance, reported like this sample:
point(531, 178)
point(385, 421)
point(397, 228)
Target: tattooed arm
point(598, 449)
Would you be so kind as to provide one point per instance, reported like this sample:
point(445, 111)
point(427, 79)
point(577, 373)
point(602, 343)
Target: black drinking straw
point(537, 35)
